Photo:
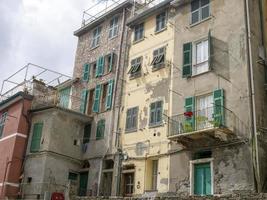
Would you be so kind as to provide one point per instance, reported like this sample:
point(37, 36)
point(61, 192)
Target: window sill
point(158, 67)
point(111, 38)
point(156, 125)
point(134, 76)
point(137, 41)
point(161, 30)
point(93, 48)
point(130, 130)
point(196, 75)
point(98, 139)
point(199, 22)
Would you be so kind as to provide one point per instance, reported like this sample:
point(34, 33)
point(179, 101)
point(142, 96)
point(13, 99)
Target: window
point(200, 10)
point(100, 66)
point(100, 130)
point(83, 101)
point(128, 184)
point(73, 176)
point(135, 69)
point(104, 96)
point(156, 113)
point(204, 111)
point(139, 32)
point(207, 111)
point(86, 72)
point(2, 123)
point(113, 27)
point(109, 62)
point(158, 57)
point(201, 57)
point(109, 94)
point(90, 101)
point(160, 21)
point(197, 57)
point(86, 133)
point(96, 37)
point(131, 118)
point(64, 97)
point(97, 98)
point(36, 137)
point(94, 71)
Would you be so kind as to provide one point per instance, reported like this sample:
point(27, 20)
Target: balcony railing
point(203, 120)
point(55, 98)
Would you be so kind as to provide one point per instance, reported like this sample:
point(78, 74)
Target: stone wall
point(243, 196)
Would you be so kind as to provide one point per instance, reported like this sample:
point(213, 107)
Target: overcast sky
point(39, 32)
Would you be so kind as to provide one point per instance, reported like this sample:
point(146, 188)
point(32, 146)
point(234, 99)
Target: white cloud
point(40, 32)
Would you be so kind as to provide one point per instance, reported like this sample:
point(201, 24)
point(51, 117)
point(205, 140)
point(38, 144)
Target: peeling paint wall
point(229, 70)
point(148, 143)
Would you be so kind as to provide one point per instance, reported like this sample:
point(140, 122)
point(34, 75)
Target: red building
point(14, 125)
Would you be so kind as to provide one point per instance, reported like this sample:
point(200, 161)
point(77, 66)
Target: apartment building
point(53, 165)
point(14, 125)
point(145, 168)
point(217, 125)
point(99, 64)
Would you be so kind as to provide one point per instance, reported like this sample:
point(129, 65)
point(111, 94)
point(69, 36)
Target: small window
point(113, 27)
point(156, 113)
point(86, 133)
point(109, 62)
point(104, 97)
point(136, 65)
point(200, 57)
point(100, 130)
point(200, 10)
point(96, 37)
point(36, 137)
point(160, 21)
point(139, 32)
point(131, 119)
point(158, 57)
point(73, 176)
point(2, 123)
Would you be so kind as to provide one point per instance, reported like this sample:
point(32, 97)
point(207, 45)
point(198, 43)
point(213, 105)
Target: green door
point(202, 179)
point(83, 183)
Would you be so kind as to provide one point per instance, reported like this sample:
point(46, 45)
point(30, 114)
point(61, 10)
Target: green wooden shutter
point(100, 66)
point(218, 115)
point(189, 125)
point(97, 98)
point(86, 72)
point(83, 183)
point(36, 137)
point(87, 133)
point(64, 96)
point(209, 40)
point(111, 62)
point(202, 179)
point(187, 60)
point(83, 100)
point(100, 130)
point(110, 94)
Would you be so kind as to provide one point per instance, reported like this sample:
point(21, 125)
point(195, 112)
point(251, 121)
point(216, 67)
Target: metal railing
point(205, 119)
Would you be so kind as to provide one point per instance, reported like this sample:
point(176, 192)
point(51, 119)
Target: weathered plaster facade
point(147, 143)
point(232, 163)
point(47, 170)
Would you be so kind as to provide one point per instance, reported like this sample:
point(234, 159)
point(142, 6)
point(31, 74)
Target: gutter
point(255, 153)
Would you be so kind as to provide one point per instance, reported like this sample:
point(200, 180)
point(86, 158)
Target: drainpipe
point(252, 99)
point(119, 79)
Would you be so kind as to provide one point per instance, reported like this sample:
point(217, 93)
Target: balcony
point(210, 126)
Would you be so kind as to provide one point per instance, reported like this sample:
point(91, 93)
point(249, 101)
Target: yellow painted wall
point(150, 87)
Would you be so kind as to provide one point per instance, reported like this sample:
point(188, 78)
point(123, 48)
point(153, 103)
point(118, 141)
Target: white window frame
point(200, 13)
point(96, 37)
point(113, 27)
point(194, 56)
point(207, 112)
point(192, 173)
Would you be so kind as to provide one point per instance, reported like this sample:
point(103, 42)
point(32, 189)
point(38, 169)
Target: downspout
point(117, 132)
point(252, 100)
